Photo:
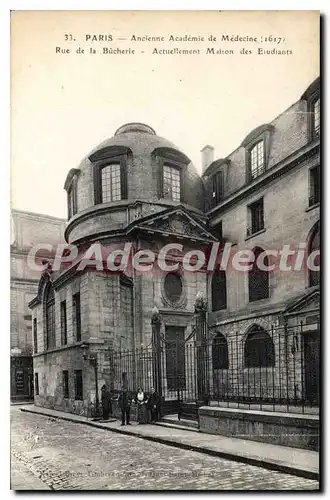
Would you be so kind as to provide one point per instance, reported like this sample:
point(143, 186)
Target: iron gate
point(178, 371)
point(275, 370)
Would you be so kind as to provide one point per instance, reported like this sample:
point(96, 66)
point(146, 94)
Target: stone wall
point(268, 427)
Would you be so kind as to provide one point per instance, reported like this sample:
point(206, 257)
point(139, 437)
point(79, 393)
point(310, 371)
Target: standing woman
point(140, 400)
point(106, 402)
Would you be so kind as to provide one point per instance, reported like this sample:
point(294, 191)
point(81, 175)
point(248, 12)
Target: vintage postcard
point(165, 250)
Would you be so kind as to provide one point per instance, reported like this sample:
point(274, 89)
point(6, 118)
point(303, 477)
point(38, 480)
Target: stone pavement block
point(23, 479)
point(304, 463)
point(79, 457)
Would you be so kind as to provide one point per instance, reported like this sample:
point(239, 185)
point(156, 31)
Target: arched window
point(110, 173)
point(314, 245)
point(258, 278)
point(258, 349)
point(50, 316)
point(219, 291)
point(173, 287)
point(219, 353)
point(257, 160)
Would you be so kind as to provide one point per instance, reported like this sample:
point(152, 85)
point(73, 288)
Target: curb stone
point(269, 464)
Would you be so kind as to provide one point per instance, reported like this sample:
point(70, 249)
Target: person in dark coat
point(153, 405)
point(141, 402)
point(124, 403)
point(106, 402)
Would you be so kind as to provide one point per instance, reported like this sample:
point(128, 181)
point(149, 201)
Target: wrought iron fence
point(275, 369)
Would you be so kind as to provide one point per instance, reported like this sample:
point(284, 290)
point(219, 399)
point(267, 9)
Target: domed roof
point(138, 137)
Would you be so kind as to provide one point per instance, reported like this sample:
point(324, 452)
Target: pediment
point(308, 303)
point(176, 223)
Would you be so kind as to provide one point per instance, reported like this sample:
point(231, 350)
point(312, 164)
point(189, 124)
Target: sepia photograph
point(165, 250)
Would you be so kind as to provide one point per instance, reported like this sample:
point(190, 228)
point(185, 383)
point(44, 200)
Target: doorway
point(312, 366)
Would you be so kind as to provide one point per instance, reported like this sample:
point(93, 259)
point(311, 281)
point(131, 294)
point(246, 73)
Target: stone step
point(183, 422)
point(181, 427)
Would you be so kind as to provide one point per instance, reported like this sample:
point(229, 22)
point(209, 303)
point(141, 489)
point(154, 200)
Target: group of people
point(148, 405)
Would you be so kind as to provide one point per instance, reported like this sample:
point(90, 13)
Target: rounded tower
point(128, 176)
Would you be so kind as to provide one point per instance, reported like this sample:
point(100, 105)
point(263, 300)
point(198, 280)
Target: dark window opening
point(218, 188)
point(35, 336)
point(258, 278)
point(72, 199)
point(173, 287)
point(259, 349)
point(78, 385)
point(76, 316)
point(50, 317)
point(64, 337)
point(36, 384)
point(314, 186)
point(65, 384)
point(219, 291)
point(220, 353)
point(314, 246)
point(256, 217)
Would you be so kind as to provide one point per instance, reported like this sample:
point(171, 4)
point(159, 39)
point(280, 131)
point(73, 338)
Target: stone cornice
point(109, 152)
point(34, 215)
point(257, 132)
point(171, 154)
point(70, 176)
point(215, 165)
point(313, 88)
point(108, 208)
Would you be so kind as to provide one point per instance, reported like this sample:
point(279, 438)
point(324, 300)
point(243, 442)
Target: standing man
point(106, 402)
point(154, 406)
point(124, 403)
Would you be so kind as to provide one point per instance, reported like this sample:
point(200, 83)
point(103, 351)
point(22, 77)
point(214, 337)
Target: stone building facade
point(27, 229)
point(139, 189)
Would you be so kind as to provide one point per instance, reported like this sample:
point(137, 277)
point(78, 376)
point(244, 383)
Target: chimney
point(207, 157)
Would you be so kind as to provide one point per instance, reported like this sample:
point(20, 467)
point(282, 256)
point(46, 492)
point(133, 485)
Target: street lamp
point(156, 321)
point(202, 347)
point(92, 358)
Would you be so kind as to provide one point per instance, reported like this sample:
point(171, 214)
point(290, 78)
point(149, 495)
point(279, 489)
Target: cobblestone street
point(64, 455)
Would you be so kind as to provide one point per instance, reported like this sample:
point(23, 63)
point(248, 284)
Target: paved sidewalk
point(22, 479)
point(303, 463)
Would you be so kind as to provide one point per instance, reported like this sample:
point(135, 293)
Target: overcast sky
point(63, 105)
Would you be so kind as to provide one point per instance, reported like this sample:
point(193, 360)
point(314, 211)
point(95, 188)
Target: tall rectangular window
point(314, 186)
point(35, 336)
point(256, 217)
point(317, 120)
point(78, 385)
point(76, 316)
point(36, 384)
point(64, 337)
point(65, 375)
point(126, 312)
point(111, 183)
point(218, 190)
point(257, 165)
point(171, 183)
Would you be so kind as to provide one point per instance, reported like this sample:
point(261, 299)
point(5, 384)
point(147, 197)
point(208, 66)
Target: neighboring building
point(264, 195)
point(27, 229)
point(139, 188)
